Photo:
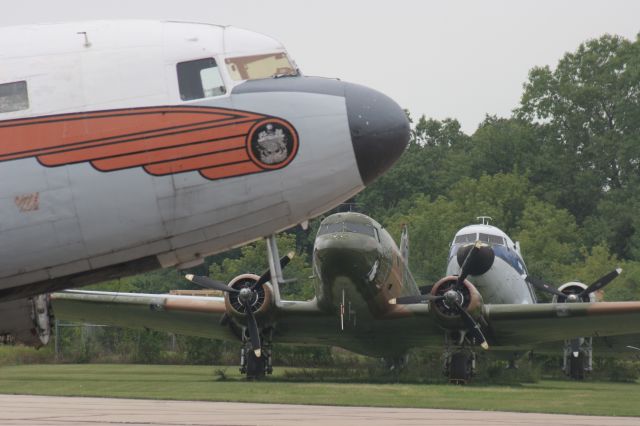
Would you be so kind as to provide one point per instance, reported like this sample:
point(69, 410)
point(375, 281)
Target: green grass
point(202, 383)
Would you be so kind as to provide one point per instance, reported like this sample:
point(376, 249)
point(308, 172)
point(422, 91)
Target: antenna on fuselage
point(485, 220)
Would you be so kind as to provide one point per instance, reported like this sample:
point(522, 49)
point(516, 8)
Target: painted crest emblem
point(272, 143)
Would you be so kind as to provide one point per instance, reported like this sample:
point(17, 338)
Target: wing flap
point(547, 322)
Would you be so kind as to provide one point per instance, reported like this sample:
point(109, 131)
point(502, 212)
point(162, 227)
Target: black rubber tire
point(255, 366)
point(576, 367)
point(459, 370)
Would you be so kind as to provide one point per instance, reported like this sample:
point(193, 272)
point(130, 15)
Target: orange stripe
point(230, 170)
point(139, 146)
point(174, 153)
point(44, 134)
point(204, 161)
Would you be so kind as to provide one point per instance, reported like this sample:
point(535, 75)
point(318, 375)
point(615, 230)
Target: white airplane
point(127, 146)
point(506, 281)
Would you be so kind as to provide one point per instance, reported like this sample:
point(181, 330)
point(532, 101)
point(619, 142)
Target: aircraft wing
point(528, 325)
point(201, 316)
point(190, 315)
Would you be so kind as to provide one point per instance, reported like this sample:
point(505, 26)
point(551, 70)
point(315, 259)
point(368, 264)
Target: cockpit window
point(465, 239)
point(491, 239)
point(330, 228)
point(260, 66)
point(199, 79)
point(358, 228)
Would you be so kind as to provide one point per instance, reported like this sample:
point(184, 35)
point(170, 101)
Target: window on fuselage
point(491, 239)
point(14, 96)
point(465, 239)
point(260, 66)
point(199, 79)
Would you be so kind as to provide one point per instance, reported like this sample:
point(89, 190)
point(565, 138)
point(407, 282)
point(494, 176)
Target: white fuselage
point(505, 281)
point(69, 211)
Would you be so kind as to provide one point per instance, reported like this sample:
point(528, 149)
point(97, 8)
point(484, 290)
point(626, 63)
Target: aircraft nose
point(379, 130)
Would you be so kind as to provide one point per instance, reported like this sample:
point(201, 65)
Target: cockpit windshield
point(491, 239)
point(358, 228)
point(485, 238)
point(260, 66)
point(465, 239)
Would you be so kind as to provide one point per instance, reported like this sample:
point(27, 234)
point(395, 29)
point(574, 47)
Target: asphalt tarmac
point(23, 410)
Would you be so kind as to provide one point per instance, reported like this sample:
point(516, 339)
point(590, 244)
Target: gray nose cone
point(379, 130)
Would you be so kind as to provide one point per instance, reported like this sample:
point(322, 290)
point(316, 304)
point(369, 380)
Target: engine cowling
point(469, 299)
point(260, 305)
point(572, 288)
point(26, 321)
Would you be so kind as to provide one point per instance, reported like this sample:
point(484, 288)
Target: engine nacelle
point(574, 287)
point(26, 321)
point(469, 299)
point(261, 303)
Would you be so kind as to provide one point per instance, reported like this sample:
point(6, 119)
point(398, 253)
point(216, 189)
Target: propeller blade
point(473, 327)
point(266, 276)
point(207, 282)
point(411, 300)
point(464, 269)
point(254, 334)
point(542, 286)
point(601, 282)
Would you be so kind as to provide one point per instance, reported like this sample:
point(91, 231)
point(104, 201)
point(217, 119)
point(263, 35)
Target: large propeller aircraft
point(127, 146)
point(366, 301)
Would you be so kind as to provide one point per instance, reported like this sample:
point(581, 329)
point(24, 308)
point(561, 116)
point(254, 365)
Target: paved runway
point(23, 410)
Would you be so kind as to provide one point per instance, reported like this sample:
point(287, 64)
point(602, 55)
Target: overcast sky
point(450, 58)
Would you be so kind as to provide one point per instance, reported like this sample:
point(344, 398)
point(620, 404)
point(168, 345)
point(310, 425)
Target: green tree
point(588, 112)
point(434, 160)
point(549, 239)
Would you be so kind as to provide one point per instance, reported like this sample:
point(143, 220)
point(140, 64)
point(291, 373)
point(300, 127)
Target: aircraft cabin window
point(491, 239)
point(14, 96)
point(465, 239)
point(200, 79)
point(260, 66)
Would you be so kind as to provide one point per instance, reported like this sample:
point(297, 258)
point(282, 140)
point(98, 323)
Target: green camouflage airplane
point(366, 301)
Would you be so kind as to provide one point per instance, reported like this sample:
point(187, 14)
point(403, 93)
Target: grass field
point(202, 383)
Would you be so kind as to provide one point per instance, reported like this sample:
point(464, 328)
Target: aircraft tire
point(576, 367)
point(459, 368)
point(255, 366)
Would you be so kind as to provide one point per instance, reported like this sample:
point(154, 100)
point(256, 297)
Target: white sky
point(447, 58)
